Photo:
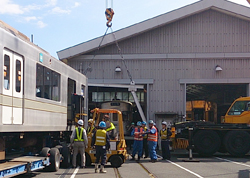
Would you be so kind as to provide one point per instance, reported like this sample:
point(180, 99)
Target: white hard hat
point(80, 122)
point(90, 120)
point(164, 123)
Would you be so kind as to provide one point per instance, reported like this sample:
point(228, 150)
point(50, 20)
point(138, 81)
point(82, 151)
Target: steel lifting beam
point(133, 89)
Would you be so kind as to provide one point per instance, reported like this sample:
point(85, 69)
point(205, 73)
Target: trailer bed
point(22, 165)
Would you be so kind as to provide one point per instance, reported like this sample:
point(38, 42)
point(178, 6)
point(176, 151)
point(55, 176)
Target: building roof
point(223, 6)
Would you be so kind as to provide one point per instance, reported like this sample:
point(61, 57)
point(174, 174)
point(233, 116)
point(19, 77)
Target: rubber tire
point(65, 151)
point(206, 142)
point(222, 149)
point(87, 160)
point(44, 152)
point(59, 147)
point(237, 143)
point(116, 161)
point(54, 159)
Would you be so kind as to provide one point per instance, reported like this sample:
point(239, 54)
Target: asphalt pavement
point(220, 165)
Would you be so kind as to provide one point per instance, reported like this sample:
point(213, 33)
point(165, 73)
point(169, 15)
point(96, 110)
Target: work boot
point(138, 160)
point(102, 169)
point(96, 168)
point(133, 158)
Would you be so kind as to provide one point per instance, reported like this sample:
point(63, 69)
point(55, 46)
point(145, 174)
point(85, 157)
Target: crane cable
point(122, 57)
point(109, 15)
point(98, 48)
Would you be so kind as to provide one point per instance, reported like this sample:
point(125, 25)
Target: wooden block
point(2, 155)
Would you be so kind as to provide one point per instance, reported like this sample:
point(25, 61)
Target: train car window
point(39, 81)
point(47, 83)
point(6, 72)
point(18, 76)
point(55, 86)
point(82, 90)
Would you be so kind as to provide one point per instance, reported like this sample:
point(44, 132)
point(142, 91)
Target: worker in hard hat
point(101, 143)
point(110, 127)
point(165, 134)
point(152, 141)
point(145, 139)
point(91, 126)
point(80, 142)
point(138, 141)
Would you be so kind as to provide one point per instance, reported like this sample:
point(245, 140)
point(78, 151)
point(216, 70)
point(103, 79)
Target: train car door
point(12, 109)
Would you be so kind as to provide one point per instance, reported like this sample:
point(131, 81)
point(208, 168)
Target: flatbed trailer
point(22, 165)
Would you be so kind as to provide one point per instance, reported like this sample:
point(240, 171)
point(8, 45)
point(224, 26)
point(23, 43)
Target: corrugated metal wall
point(207, 32)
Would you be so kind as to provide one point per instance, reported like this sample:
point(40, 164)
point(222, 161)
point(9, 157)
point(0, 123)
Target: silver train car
point(35, 92)
point(126, 109)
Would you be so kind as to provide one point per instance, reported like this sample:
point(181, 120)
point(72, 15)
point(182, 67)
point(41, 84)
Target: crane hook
point(109, 16)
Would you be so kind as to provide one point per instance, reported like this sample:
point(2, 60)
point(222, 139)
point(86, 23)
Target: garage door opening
point(211, 101)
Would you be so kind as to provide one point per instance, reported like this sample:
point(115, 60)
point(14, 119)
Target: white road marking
point(185, 169)
point(242, 164)
point(66, 171)
point(74, 173)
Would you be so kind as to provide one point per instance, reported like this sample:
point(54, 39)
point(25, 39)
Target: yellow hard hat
point(90, 120)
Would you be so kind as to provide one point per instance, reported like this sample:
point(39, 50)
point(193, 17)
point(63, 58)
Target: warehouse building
point(198, 53)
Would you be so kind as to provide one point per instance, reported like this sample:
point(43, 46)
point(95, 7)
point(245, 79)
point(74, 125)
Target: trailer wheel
point(66, 156)
point(222, 149)
point(88, 160)
point(237, 143)
point(59, 147)
point(116, 161)
point(45, 151)
point(206, 142)
point(54, 159)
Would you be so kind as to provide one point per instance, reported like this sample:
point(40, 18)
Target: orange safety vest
point(153, 137)
point(138, 134)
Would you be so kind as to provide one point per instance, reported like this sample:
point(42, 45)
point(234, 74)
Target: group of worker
point(145, 140)
point(100, 141)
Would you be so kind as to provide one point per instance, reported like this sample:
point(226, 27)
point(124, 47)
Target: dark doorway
point(222, 95)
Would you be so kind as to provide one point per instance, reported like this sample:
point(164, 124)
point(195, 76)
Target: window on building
point(125, 96)
point(131, 98)
point(109, 96)
point(119, 96)
point(47, 83)
point(142, 96)
point(6, 72)
point(100, 97)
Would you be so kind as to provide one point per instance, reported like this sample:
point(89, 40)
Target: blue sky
point(59, 24)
